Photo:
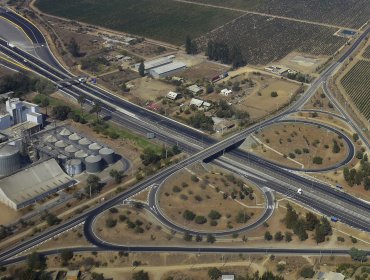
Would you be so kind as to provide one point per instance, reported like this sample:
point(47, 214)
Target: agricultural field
point(265, 39)
point(357, 84)
point(366, 53)
point(348, 13)
point(163, 20)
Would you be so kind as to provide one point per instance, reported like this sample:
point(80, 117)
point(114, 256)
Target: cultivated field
point(349, 13)
point(366, 53)
point(263, 39)
point(356, 83)
point(164, 20)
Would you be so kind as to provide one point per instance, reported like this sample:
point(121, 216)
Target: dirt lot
point(296, 145)
point(184, 192)
point(8, 215)
point(148, 89)
point(260, 103)
point(205, 70)
point(303, 63)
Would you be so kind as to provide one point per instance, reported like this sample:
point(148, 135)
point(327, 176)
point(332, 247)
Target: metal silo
point(65, 132)
point(74, 137)
point(94, 148)
point(71, 150)
point(84, 142)
point(81, 154)
point(61, 144)
point(73, 167)
point(93, 164)
point(107, 155)
point(10, 160)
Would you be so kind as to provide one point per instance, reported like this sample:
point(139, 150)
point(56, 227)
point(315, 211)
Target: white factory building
point(20, 112)
point(162, 67)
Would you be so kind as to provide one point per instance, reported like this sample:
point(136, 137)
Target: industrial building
point(32, 184)
point(167, 70)
point(151, 64)
point(10, 159)
point(22, 111)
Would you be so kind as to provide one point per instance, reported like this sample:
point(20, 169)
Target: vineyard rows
point(357, 85)
point(348, 13)
point(264, 39)
point(366, 53)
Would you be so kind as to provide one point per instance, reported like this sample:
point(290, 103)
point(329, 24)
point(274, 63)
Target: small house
point(172, 95)
point(194, 89)
point(226, 92)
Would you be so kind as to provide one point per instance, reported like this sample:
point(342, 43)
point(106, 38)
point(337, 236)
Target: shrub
point(317, 160)
point(268, 236)
point(214, 215)
point(194, 178)
point(274, 94)
point(176, 189)
point(188, 215)
point(110, 223)
point(200, 220)
point(307, 272)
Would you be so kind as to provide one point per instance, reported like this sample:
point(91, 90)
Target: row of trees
point(300, 225)
point(220, 51)
point(21, 84)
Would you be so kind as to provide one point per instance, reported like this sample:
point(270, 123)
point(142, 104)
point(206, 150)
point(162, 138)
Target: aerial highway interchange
point(200, 147)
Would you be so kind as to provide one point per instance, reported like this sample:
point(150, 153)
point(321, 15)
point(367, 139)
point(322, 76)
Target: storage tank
point(81, 154)
point(10, 160)
point(93, 164)
point(94, 148)
point(107, 155)
point(61, 144)
point(84, 142)
point(50, 139)
point(74, 137)
point(71, 150)
point(62, 159)
point(73, 167)
point(65, 132)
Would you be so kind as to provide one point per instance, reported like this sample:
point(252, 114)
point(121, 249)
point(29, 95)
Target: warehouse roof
point(33, 182)
point(168, 68)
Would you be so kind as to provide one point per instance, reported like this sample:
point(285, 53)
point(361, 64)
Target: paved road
point(147, 116)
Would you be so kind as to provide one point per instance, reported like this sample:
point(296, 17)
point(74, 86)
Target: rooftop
point(169, 67)
point(34, 181)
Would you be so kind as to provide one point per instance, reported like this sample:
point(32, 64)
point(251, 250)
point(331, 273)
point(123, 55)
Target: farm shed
point(167, 70)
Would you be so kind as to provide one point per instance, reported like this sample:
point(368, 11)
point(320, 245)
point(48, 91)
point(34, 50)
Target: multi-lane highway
point(347, 208)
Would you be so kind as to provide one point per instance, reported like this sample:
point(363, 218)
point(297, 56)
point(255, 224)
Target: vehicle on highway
point(334, 219)
point(339, 187)
point(299, 191)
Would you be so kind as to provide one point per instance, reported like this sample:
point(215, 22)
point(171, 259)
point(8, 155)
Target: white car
point(299, 191)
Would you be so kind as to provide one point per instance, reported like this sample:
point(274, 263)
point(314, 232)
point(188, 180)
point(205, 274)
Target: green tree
point(116, 175)
point(311, 221)
point(60, 112)
point(36, 261)
point(317, 160)
point(358, 255)
point(268, 236)
point(214, 215)
point(214, 273)
point(336, 148)
point(142, 69)
point(66, 256)
point(74, 48)
point(97, 108)
point(149, 156)
point(188, 215)
point(93, 184)
point(45, 103)
point(211, 238)
point(274, 94)
point(82, 100)
point(307, 272)
point(278, 236)
point(190, 46)
point(140, 275)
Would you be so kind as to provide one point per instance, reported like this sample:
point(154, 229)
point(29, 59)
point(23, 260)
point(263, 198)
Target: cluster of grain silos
point(76, 152)
point(10, 159)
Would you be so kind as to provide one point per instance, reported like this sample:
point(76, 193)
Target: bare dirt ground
point(8, 215)
point(303, 63)
point(205, 70)
point(260, 103)
point(148, 89)
point(180, 193)
point(286, 144)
